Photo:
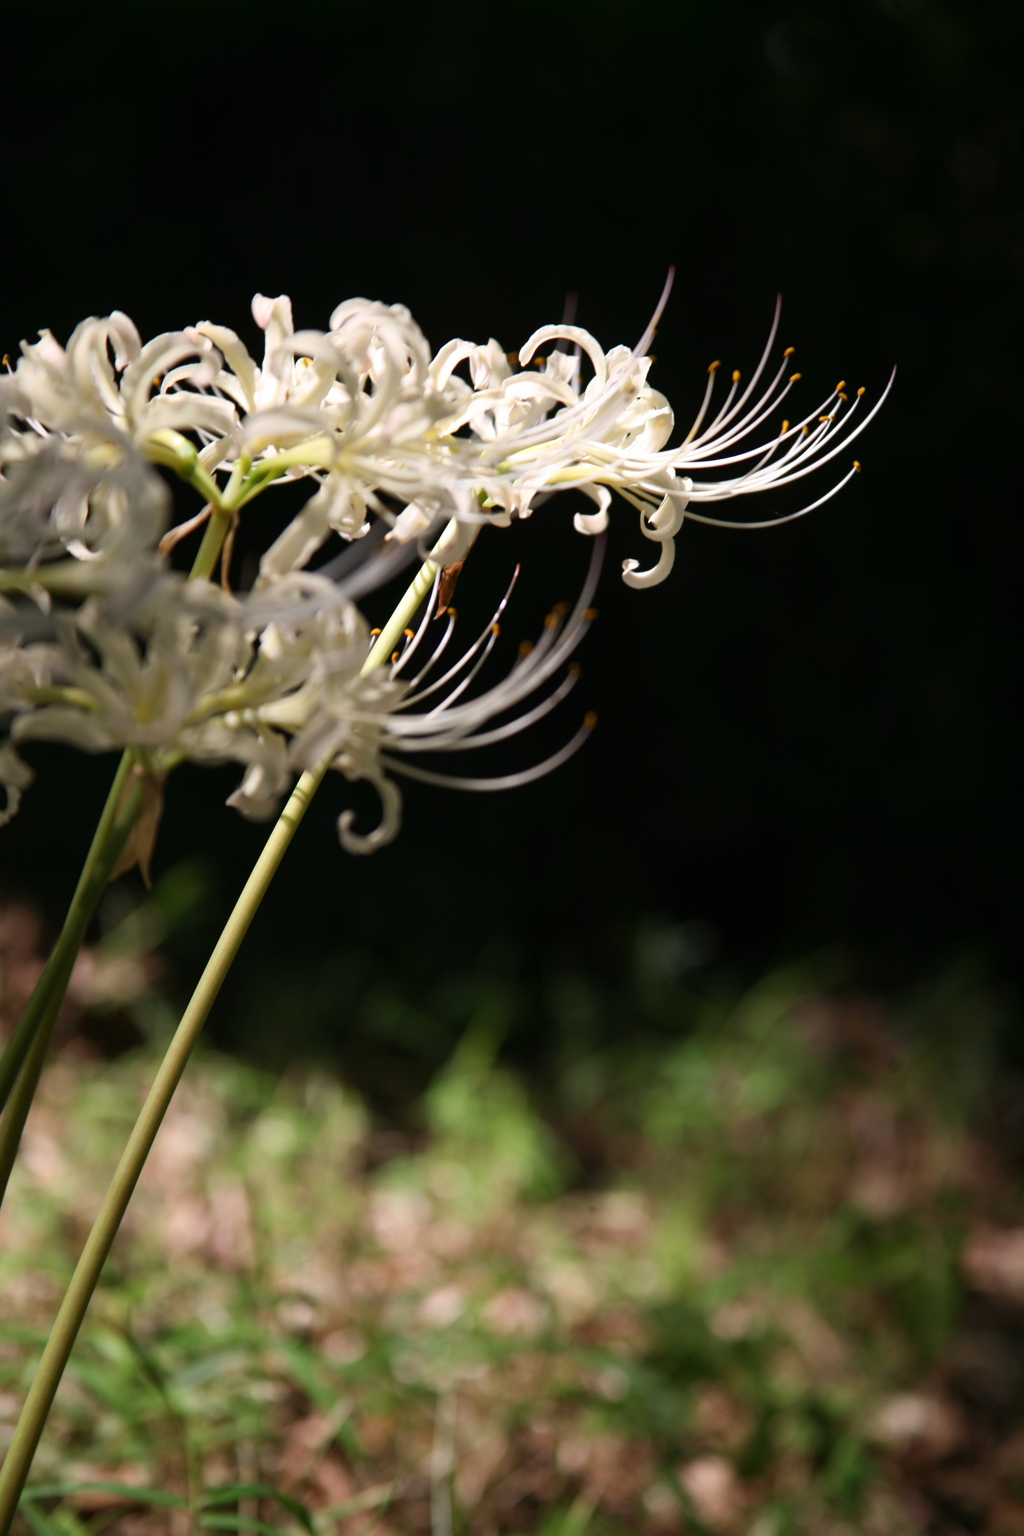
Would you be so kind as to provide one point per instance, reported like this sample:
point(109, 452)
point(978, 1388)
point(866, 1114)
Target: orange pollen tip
point(844, 398)
point(560, 610)
point(856, 465)
point(590, 614)
point(860, 391)
point(574, 669)
point(511, 357)
point(590, 720)
point(824, 418)
point(789, 352)
point(495, 629)
point(551, 621)
point(538, 361)
point(156, 381)
point(452, 613)
point(409, 633)
point(374, 632)
point(840, 385)
point(713, 366)
point(794, 376)
point(735, 375)
point(785, 426)
point(525, 647)
point(394, 656)
point(7, 360)
point(805, 430)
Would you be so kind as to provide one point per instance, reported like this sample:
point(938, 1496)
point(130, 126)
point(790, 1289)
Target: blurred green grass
point(727, 1274)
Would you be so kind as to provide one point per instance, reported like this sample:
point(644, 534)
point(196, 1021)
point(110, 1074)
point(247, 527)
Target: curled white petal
point(634, 577)
point(15, 777)
point(593, 523)
point(387, 828)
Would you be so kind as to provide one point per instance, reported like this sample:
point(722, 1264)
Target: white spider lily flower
point(537, 432)
point(370, 734)
point(88, 396)
point(194, 674)
point(275, 681)
point(353, 407)
point(170, 688)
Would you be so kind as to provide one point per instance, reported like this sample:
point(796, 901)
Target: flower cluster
point(279, 687)
point(102, 645)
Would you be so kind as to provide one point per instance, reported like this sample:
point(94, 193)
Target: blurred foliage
point(754, 1265)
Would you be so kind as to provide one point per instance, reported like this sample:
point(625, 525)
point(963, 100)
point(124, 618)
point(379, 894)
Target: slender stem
point(94, 1255)
point(213, 539)
point(57, 970)
point(93, 882)
point(393, 629)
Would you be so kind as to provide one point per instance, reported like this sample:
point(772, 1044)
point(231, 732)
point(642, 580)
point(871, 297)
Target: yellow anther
point(452, 613)
point(590, 719)
point(374, 632)
point(843, 397)
point(7, 361)
point(794, 376)
point(856, 465)
point(574, 669)
point(156, 380)
point(735, 375)
point(805, 429)
point(495, 629)
point(539, 361)
point(525, 647)
point(840, 385)
point(826, 418)
point(860, 391)
point(714, 365)
point(785, 426)
point(789, 352)
point(590, 614)
point(409, 633)
point(394, 657)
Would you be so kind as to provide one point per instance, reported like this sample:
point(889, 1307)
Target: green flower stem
point(55, 974)
point(395, 626)
point(94, 1255)
point(93, 882)
point(213, 540)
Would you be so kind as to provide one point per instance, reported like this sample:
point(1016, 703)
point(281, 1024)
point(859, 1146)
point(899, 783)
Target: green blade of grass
point(123, 1490)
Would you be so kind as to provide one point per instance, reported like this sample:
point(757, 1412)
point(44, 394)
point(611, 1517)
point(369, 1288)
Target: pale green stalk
point(107, 846)
point(62, 957)
point(87, 1272)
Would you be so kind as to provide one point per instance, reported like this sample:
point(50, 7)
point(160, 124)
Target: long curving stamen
point(462, 742)
point(485, 640)
point(410, 649)
point(506, 781)
point(718, 522)
point(739, 487)
point(640, 350)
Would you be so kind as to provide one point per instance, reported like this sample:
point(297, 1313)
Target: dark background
point(807, 735)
